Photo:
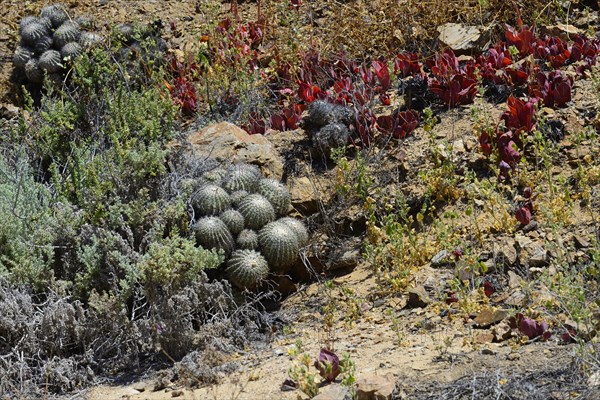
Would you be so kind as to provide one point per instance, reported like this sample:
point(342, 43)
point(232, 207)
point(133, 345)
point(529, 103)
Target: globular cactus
point(210, 200)
point(277, 194)
point(26, 21)
point(246, 269)
point(70, 51)
point(212, 233)
point(215, 176)
point(66, 33)
point(247, 239)
point(330, 137)
point(22, 56)
point(125, 33)
point(56, 14)
point(33, 32)
point(242, 177)
point(298, 227)
point(89, 39)
point(321, 113)
point(50, 61)
point(279, 244)
point(257, 211)
point(43, 44)
point(234, 221)
point(46, 22)
point(33, 71)
point(237, 197)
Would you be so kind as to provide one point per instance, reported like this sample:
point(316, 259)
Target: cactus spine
point(234, 221)
point(298, 228)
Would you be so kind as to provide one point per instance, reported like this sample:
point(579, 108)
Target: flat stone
point(440, 259)
point(304, 195)
point(375, 387)
point(417, 297)
point(227, 142)
point(462, 38)
point(502, 331)
point(539, 258)
point(348, 259)
point(484, 337)
point(581, 242)
point(489, 316)
point(334, 392)
point(507, 252)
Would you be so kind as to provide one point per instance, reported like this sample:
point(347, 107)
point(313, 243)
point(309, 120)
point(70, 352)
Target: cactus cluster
point(327, 125)
point(237, 209)
point(47, 42)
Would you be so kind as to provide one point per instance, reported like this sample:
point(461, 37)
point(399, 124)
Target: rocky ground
point(406, 341)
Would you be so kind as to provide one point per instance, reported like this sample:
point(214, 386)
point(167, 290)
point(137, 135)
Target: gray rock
point(539, 258)
point(463, 39)
point(334, 392)
point(417, 297)
point(375, 387)
point(440, 259)
point(507, 252)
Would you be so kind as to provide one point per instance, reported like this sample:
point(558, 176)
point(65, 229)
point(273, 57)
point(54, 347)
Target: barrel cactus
point(42, 45)
point(22, 56)
point(257, 211)
point(56, 14)
point(276, 193)
point(298, 227)
point(211, 200)
point(247, 239)
point(32, 32)
point(279, 244)
point(33, 71)
point(237, 197)
point(242, 177)
point(50, 61)
point(246, 269)
point(212, 233)
point(66, 33)
point(70, 51)
point(234, 221)
point(26, 21)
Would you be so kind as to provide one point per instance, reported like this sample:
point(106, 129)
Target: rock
point(594, 380)
point(507, 252)
point(488, 316)
point(375, 387)
point(514, 280)
point(539, 258)
point(347, 259)
point(565, 32)
point(522, 241)
point(334, 392)
point(489, 352)
point(513, 356)
point(417, 297)
point(441, 259)
point(305, 197)
point(226, 142)
point(484, 337)
point(581, 242)
point(501, 332)
point(517, 299)
point(463, 39)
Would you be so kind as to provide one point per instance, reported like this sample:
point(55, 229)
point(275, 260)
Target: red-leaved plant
point(328, 365)
point(399, 124)
point(554, 88)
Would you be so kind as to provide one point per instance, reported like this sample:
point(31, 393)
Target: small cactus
point(279, 244)
point(242, 177)
point(257, 211)
point(215, 176)
point(26, 21)
point(246, 269)
point(247, 239)
point(298, 227)
point(211, 200)
point(237, 197)
point(211, 233)
point(322, 113)
point(50, 61)
point(22, 56)
point(33, 32)
point(46, 22)
point(70, 51)
point(276, 193)
point(66, 33)
point(33, 72)
point(89, 39)
point(56, 14)
point(125, 33)
point(330, 137)
point(234, 221)
point(42, 45)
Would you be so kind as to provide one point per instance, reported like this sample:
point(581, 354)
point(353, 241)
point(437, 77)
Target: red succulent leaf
point(328, 365)
point(533, 329)
point(505, 169)
point(485, 142)
point(451, 297)
point(524, 40)
point(523, 215)
point(457, 90)
point(554, 88)
point(385, 99)
point(521, 116)
point(383, 74)
point(406, 64)
point(308, 92)
point(183, 94)
point(399, 124)
point(570, 334)
point(256, 125)
point(457, 253)
point(488, 289)
point(508, 149)
point(527, 192)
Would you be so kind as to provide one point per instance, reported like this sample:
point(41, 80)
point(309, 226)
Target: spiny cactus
point(234, 221)
point(242, 177)
point(247, 239)
point(56, 14)
point(321, 113)
point(237, 197)
point(22, 56)
point(46, 22)
point(50, 61)
point(26, 21)
point(215, 176)
point(33, 71)
point(246, 269)
point(66, 33)
point(277, 194)
point(210, 200)
point(125, 33)
point(298, 227)
point(330, 137)
point(33, 32)
point(257, 211)
point(42, 45)
point(89, 39)
point(70, 51)
point(279, 244)
point(211, 233)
